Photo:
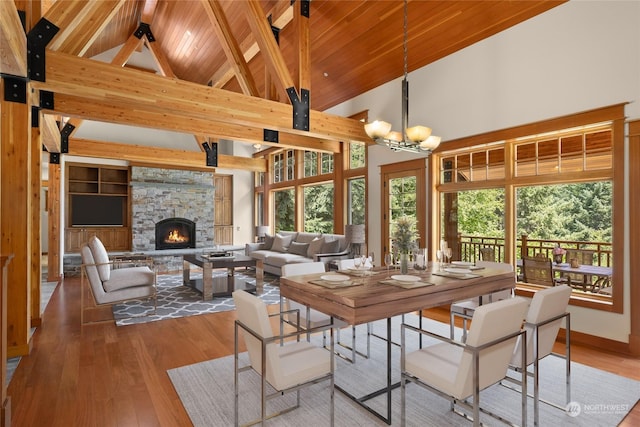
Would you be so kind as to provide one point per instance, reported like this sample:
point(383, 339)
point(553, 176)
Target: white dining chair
point(458, 371)
point(286, 368)
point(465, 308)
point(545, 315)
point(311, 318)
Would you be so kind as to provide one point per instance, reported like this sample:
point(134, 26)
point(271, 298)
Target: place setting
point(334, 280)
point(406, 281)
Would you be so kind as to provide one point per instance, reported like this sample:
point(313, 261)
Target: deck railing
point(469, 248)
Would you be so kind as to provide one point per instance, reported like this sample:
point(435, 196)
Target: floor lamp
point(354, 233)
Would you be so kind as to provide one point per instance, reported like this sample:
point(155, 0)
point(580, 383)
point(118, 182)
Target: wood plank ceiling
point(354, 46)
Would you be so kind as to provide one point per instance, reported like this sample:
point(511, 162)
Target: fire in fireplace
point(175, 233)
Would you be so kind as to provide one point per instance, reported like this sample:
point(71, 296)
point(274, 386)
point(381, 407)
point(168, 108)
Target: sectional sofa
point(287, 247)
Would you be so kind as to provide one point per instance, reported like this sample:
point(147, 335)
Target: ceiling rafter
point(230, 46)
point(270, 50)
point(282, 15)
point(13, 41)
point(80, 23)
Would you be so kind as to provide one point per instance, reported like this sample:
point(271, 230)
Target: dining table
point(602, 274)
point(366, 296)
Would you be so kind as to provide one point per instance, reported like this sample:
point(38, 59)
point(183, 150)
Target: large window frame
point(611, 114)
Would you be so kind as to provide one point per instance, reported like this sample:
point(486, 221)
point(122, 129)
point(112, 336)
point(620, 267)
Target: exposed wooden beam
point(149, 10)
point(126, 51)
point(270, 50)
point(133, 91)
point(50, 133)
point(304, 47)
point(281, 14)
point(80, 23)
point(159, 156)
point(160, 58)
point(230, 46)
point(13, 41)
point(108, 112)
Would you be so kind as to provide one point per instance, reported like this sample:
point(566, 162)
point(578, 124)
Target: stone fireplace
point(184, 197)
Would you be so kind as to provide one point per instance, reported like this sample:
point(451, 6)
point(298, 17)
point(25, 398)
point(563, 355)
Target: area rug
point(206, 391)
point(176, 300)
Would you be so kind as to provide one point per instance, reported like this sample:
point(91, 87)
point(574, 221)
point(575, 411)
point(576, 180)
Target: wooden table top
point(371, 300)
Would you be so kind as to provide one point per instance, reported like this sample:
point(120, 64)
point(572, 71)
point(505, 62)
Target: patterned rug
point(176, 300)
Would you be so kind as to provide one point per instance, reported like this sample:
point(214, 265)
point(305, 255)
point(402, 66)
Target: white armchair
point(287, 367)
point(458, 371)
point(109, 286)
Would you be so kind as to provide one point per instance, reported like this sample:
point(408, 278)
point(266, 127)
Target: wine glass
point(357, 260)
point(439, 257)
point(448, 254)
point(371, 259)
point(388, 260)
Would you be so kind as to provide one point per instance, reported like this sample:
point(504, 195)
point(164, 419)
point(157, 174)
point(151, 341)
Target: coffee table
point(212, 287)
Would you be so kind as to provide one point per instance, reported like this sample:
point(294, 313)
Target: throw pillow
point(331, 247)
point(281, 243)
point(315, 247)
point(299, 248)
point(268, 242)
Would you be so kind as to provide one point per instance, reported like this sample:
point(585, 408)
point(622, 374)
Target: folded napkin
point(333, 285)
point(406, 285)
point(455, 275)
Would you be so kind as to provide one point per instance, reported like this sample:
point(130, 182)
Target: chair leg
point(452, 325)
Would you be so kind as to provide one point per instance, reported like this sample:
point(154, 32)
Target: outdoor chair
point(465, 308)
point(310, 318)
point(488, 253)
point(112, 282)
point(456, 370)
point(544, 317)
point(538, 271)
point(285, 367)
point(581, 282)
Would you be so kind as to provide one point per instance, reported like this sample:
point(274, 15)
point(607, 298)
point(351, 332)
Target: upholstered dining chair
point(456, 370)
point(311, 318)
point(286, 367)
point(109, 285)
point(538, 271)
point(465, 308)
point(547, 310)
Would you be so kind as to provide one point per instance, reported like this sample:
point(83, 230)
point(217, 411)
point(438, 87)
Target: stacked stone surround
point(157, 194)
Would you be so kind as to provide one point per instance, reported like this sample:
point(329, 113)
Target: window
point(327, 163)
point(356, 202)
point(284, 209)
point(278, 167)
point(357, 152)
point(559, 189)
point(318, 208)
point(310, 163)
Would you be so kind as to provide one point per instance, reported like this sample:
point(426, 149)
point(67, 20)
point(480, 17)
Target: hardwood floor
point(103, 375)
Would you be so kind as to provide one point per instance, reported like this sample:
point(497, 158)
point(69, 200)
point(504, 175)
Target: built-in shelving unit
point(97, 204)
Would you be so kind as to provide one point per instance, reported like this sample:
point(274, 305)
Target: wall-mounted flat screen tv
point(97, 210)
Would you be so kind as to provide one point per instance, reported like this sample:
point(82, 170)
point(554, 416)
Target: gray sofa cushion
point(268, 241)
point(330, 247)
point(306, 237)
point(298, 248)
point(279, 259)
point(315, 247)
point(281, 243)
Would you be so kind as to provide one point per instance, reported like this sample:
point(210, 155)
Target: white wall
point(578, 56)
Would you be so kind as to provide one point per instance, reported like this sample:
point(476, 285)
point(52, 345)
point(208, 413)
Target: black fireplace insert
point(175, 233)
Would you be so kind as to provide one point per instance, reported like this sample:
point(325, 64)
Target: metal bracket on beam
point(46, 100)
point(304, 8)
point(144, 30)
point(35, 116)
point(54, 158)
point(270, 136)
point(212, 153)
point(65, 133)
point(37, 39)
point(300, 108)
point(15, 89)
point(274, 30)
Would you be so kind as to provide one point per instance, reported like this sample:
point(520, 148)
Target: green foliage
point(318, 208)
point(357, 200)
point(404, 235)
point(574, 212)
point(285, 210)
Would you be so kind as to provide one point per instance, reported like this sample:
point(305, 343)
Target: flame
point(175, 237)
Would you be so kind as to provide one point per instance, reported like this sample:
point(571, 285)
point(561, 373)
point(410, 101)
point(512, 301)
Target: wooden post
point(5, 410)
point(36, 226)
point(53, 201)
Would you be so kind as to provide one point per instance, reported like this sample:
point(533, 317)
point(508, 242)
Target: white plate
point(458, 270)
point(366, 267)
point(335, 277)
point(405, 278)
point(462, 263)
